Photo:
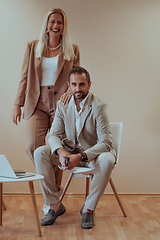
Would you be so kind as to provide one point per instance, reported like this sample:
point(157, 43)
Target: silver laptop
point(7, 171)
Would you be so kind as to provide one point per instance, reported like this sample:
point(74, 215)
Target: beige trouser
point(39, 124)
point(45, 163)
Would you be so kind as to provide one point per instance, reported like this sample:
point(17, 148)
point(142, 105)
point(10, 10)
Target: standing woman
point(44, 78)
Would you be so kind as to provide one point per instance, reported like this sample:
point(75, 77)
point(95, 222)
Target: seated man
point(85, 121)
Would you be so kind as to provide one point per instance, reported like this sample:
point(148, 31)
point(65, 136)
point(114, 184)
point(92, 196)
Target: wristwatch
point(83, 157)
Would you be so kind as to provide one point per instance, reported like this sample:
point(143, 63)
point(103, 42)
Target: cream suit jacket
point(29, 87)
point(94, 135)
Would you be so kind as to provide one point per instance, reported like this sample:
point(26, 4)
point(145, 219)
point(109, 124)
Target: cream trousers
point(45, 163)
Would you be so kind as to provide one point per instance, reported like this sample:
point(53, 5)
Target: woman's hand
point(65, 98)
point(16, 114)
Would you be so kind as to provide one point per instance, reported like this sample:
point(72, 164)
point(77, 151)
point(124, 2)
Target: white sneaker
point(46, 208)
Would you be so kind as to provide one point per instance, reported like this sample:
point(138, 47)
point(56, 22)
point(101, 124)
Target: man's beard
point(81, 97)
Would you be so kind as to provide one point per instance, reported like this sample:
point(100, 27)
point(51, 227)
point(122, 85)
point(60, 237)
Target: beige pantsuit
point(95, 138)
point(40, 102)
point(32, 96)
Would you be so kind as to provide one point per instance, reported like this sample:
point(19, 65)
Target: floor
point(142, 222)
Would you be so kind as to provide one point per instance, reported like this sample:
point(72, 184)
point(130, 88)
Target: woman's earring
point(47, 30)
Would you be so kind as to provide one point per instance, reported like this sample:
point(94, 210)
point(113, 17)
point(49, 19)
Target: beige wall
point(119, 41)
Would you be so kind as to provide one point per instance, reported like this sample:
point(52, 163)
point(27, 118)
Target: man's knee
point(38, 152)
point(106, 160)
point(41, 153)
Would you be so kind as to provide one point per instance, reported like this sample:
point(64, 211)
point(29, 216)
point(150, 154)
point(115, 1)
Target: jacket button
point(55, 92)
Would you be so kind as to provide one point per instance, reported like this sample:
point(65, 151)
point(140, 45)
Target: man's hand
point(73, 161)
point(62, 156)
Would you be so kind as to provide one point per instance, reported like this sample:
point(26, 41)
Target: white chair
point(88, 173)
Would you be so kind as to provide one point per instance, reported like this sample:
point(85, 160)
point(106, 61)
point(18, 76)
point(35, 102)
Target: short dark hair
point(79, 70)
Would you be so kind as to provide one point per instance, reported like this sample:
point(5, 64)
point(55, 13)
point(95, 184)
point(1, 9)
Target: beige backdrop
point(119, 42)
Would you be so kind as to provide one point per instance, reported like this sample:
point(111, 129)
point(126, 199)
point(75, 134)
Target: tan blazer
point(94, 135)
point(29, 87)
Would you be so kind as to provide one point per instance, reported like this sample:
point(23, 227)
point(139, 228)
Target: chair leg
point(58, 176)
point(3, 205)
point(88, 183)
point(87, 186)
point(117, 197)
point(66, 186)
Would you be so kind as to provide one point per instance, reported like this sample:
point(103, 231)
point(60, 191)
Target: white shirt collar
point(81, 103)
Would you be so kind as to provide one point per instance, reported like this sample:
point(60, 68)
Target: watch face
point(83, 159)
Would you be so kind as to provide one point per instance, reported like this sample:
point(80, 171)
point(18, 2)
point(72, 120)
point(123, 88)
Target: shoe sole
point(84, 227)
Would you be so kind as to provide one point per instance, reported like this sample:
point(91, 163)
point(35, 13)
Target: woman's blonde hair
point(66, 45)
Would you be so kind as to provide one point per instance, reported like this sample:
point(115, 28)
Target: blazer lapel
point(38, 65)
point(86, 110)
point(71, 119)
point(83, 118)
point(60, 65)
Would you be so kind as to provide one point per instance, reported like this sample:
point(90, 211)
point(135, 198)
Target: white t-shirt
point(49, 67)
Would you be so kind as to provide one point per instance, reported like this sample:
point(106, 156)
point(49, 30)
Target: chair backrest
point(117, 133)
